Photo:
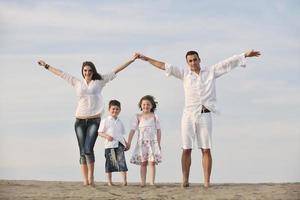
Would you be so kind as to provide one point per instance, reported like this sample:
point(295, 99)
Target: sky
point(256, 136)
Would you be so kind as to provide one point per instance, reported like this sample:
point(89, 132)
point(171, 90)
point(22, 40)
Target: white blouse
point(90, 101)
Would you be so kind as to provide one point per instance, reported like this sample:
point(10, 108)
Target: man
point(200, 101)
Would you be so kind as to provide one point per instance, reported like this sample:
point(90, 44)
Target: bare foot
point(125, 184)
point(185, 184)
point(206, 185)
point(110, 184)
point(143, 184)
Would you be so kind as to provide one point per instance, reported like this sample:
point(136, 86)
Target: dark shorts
point(115, 159)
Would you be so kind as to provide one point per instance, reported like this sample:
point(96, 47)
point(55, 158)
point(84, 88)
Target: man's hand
point(252, 53)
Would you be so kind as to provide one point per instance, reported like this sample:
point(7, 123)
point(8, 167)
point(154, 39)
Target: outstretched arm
point(156, 63)
point(54, 70)
point(123, 66)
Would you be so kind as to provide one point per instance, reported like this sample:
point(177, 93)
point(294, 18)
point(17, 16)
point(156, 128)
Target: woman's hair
point(152, 101)
point(96, 75)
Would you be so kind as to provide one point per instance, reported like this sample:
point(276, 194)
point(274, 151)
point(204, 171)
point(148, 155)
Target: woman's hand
point(42, 63)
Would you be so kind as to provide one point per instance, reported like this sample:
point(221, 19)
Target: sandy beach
point(11, 189)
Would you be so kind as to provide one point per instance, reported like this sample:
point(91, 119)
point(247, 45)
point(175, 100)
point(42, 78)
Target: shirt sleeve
point(102, 127)
point(70, 79)
point(157, 122)
point(174, 71)
point(108, 77)
point(134, 122)
point(227, 65)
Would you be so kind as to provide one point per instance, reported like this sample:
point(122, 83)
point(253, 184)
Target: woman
point(89, 109)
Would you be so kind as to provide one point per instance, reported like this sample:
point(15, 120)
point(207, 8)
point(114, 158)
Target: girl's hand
point(41, 63)
point(127, 147)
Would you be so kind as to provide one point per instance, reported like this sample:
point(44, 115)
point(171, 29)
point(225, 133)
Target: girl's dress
point(146, 148)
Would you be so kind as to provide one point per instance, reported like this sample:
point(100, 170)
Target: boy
point(112, 130)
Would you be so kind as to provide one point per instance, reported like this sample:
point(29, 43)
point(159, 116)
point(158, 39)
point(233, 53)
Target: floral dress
point(147, 148)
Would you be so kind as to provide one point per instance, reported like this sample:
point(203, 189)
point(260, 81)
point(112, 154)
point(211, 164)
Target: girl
point(147, 150)
point(89, 109)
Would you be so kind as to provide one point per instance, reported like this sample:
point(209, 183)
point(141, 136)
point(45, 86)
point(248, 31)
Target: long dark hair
point(152, 101)
point(96, 75)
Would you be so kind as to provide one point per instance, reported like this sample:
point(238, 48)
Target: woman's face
point(87, 73)
point(146, 106)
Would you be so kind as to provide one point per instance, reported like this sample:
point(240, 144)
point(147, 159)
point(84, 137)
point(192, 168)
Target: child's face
point(146, 106)
point(114, 111)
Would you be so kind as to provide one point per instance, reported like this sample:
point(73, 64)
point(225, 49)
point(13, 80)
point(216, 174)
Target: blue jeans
point(87, 132)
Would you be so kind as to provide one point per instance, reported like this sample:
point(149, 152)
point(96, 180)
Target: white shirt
point(90, 101)
point(114, 128)
point(200, 90)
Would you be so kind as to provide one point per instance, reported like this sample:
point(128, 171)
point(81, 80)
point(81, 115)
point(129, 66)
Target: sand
point(11, 189)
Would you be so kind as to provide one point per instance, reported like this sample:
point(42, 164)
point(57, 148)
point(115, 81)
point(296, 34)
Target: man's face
point(194, 62)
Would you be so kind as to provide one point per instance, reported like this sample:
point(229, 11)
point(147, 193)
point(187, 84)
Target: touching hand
point(252, 53)
point(141, 56)
point(41, 63)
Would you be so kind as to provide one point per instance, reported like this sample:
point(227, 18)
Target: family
point(196, 122)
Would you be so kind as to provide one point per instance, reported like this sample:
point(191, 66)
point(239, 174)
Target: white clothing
point(200, 90)
point(114, 128)
point(200, 129)
point(90, 101)
point(146, 148)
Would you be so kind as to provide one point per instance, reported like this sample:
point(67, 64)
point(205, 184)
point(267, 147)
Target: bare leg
point(109, 179)
point(84, 171)
point(143, 173)
point(152, 173)
point(207, 165)
point(91, 174)
point(124, 174)
point(186, 164)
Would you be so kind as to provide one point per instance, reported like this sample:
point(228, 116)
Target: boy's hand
point(109, 138)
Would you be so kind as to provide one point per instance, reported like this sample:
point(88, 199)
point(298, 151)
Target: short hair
point(152, 101)
point(114, 103)
point(191, 53)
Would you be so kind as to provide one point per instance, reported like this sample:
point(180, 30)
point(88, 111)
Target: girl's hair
point(152, 101)
point(96, 75)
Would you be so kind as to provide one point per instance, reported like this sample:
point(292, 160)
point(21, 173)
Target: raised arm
point(156, 63)
point(50, 68)
point(123, 66)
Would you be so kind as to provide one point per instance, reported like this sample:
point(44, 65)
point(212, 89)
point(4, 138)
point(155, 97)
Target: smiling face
point(114, 111)
point(146, 106)
point(87, 72)
point(194, 62)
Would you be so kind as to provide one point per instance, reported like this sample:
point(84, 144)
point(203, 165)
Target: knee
point(144, 164)
point(206, 151)
point(186, 151)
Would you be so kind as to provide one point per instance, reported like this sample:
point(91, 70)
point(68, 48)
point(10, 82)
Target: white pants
point(199, 128)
